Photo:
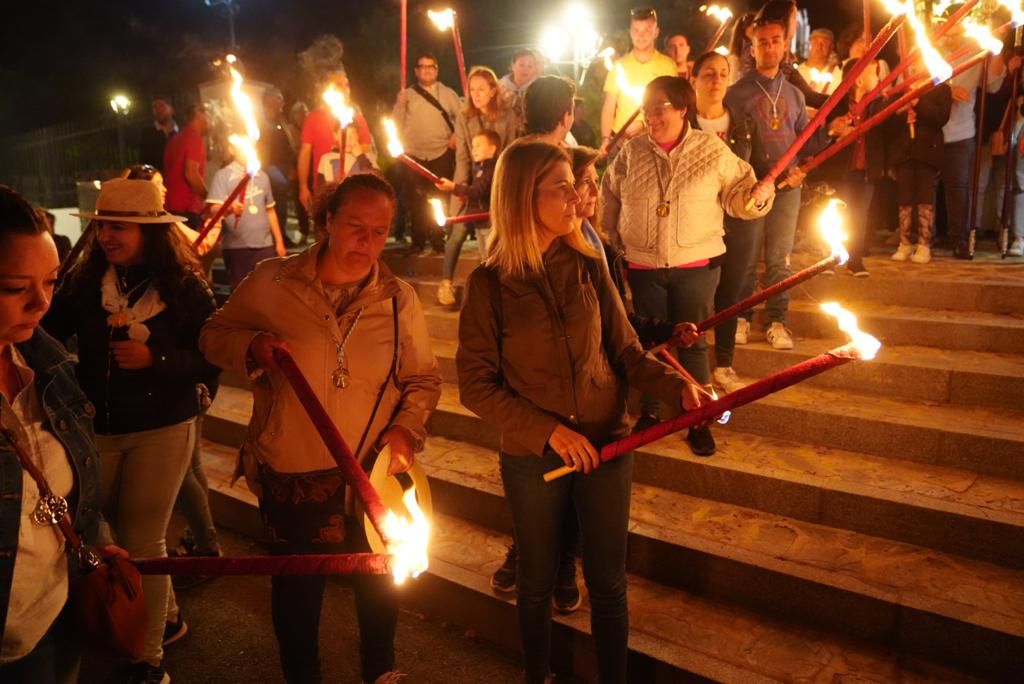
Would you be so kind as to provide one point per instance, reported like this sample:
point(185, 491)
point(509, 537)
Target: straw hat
point(391, 491)
point(131, 201)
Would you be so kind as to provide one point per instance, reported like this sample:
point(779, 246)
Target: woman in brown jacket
point(359, 336)
point(546, 354)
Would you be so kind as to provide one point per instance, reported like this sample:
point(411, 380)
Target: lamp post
point(573, 35)
point(121, 106)
point(230, 9)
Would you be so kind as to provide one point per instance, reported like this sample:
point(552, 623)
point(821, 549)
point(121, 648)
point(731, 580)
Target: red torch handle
point(460, 58)
point(419, 168)
point(469, 218)
point(404, 49)
point(767, 293)
point(343, 456)
point(314, 564)
point(222, 212)
point(906, 61)
point(887, 32)
point(711, 410)
point(890, 109)
point(719, 32)
point(616, 137)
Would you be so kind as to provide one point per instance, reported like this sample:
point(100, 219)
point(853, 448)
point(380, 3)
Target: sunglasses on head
point(643, 14)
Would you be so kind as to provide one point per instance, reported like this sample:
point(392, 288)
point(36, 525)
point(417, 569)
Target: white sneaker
point(779, 337)
point(727, 380)
point(446, 293)
point(923, 255)
point(903, 252)
point(1016, 248)
point(742, 330)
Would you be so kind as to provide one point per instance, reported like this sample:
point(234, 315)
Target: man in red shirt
point(185, 167)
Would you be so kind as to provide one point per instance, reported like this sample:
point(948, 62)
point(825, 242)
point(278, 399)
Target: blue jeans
point(739, 271)
point(957, 163)
point(601, 500)
point(453, 245)
point(677, 295)
point(779, 227)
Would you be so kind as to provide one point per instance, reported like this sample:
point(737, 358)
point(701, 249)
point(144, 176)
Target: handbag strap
point(426, 95)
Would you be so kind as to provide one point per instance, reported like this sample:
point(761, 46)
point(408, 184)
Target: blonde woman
point(546, 355)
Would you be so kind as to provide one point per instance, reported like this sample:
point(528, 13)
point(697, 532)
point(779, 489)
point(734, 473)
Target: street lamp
point(573, 33)
point(121, 106)
point(231, 9)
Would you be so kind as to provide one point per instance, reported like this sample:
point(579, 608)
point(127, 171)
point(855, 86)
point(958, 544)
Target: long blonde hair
point(514, 248)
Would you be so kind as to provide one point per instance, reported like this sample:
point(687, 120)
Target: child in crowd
point(251, 232)
point(359, 156)
point(484, 149)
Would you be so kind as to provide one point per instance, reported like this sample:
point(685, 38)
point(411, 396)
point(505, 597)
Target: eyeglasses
point(643, 14)
point(657, 109)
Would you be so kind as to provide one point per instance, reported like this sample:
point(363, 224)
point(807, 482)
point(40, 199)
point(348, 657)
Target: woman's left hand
point(685, 334)
point(132, 355)
point(402, 448)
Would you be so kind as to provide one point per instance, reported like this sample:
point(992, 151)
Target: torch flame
point(724, 418)
point(438, 212)
point(634, 93)
point(243, 105)
point(821, 77)
point(723, 14)
point(1016, 13)
point(982, 36)
point(443, 20)
point(722, 50)
point(408, 539)
point(608, 54)
point(830, 223)
point(395, 148)
point(335, 99)
point(937, 67)
point(866, 345)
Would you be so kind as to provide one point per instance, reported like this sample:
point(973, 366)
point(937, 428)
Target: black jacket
point(478, 193)
point(651, 331)
point(740, 128)
point(839, 167)
point(927, 146)
point(136, 400)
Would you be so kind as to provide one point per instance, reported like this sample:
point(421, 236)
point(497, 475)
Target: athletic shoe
point(1016, 247)
point(174, 631)
point(924, 254)
point(567, 597)
point(144, 673)
point(779, 337)
point(702, 443)
point(727, 380)
point(857, 269)
point(446, 293)
point(742, 330)
point(503, 580)
point(903, 252)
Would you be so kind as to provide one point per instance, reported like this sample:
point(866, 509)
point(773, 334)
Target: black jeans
point(677, 295)
point(739, 272)
point(601, 500)
point(916, 183)
point(417, 190)
point(311, 526)
point(54, 660)
point(856, 190)
point(957, 162)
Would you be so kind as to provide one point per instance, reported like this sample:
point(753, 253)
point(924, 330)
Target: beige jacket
point(702, 180)
point(283, 297)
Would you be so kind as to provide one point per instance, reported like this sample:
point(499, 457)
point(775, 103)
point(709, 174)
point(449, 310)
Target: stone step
point(955, 510)
point(696, 623)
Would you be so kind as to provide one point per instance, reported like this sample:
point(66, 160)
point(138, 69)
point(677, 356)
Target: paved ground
point(231, 640)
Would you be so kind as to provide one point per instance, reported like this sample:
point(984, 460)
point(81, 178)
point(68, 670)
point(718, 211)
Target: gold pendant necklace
point(775, 121)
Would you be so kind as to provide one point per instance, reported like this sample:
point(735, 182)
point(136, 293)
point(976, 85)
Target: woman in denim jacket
point(44, 412)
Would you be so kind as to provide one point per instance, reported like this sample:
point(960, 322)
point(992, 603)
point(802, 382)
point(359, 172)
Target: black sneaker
point(144, 673)
point(503, 580)
point(962, 252)
point(174, 631)
point(567, 595)
point(645, 421)
point(701, 441)
point(857, 269)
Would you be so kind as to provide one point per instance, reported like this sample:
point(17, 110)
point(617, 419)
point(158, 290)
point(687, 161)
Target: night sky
point(62, 61)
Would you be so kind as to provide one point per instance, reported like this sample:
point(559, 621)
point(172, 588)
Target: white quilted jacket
point(702, 179)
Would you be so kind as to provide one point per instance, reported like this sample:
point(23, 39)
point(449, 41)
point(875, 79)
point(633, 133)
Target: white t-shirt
point(719, 126)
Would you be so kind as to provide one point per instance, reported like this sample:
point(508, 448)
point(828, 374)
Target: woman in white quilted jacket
point(665, 196)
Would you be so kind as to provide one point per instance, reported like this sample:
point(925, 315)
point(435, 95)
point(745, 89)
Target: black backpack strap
point(422, 92)
point(391, 374)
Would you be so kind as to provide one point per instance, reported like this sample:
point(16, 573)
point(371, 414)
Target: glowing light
point(443, 19)
point(723, 14)
point(722, 50)
point(982, 36)
point(409, 538)
point(608, 55)
point(1016, 13)
point(245, 109)
point(335, 99)
point(634, 93)
point(439, 215)
point(120, 104)
point(821, 77)
point(724, 418)
point(939, 8)
point(937, 67)
point(231, 59)
point(867, 346)
point(830, 224)
point(395, 148)
point(553, 42)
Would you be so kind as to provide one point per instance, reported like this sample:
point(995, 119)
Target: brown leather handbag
point(106, 593)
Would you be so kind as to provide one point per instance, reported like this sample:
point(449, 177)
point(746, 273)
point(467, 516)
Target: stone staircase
point(867, 525)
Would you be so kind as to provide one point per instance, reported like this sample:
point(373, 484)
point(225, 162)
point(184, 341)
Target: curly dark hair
point(18, 215)
point(170, 258)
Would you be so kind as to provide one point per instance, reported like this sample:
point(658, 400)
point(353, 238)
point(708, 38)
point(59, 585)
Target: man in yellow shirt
point(641, 66)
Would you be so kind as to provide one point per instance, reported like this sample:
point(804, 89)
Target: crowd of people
point(591, 255)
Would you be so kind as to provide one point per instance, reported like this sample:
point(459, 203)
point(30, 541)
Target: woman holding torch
point(546, 355)
point(360, 336)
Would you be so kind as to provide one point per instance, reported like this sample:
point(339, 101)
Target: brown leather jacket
point(283, 297)
point(555, 347)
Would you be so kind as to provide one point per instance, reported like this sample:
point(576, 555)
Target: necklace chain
point(341, 374)
point(775, 122)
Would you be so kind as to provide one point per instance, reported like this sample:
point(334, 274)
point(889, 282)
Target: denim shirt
point(69, 416)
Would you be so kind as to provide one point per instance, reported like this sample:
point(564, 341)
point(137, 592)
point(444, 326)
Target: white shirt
point(39, 587)
point(719, 126)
